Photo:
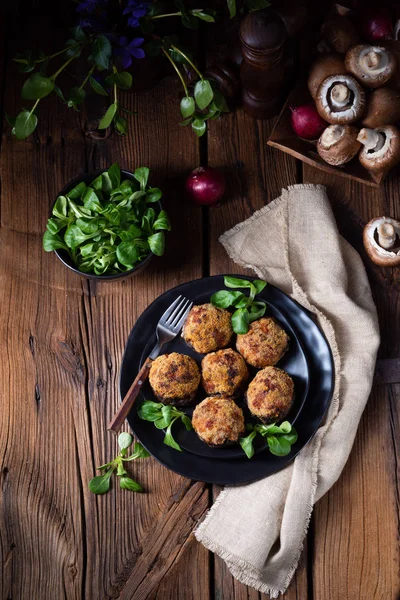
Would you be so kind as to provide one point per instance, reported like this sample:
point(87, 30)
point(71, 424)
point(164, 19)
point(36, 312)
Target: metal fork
point(168, 328)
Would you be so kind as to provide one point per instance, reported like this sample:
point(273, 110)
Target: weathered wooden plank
point(64, 339)
point(356, 546)
point(255, 175)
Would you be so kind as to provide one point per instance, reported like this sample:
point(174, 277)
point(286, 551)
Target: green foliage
point(205, 103)
point(37, 87)
point(280, 438)
point(25, 124)
point(101, 52)
point(101, 483)
point(163, 417)
point(109, 226)
point(247, 309)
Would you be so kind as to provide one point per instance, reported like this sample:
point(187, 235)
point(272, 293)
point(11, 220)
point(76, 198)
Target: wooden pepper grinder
point(263, 40)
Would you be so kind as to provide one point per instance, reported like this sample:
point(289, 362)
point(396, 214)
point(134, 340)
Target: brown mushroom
point(324, 66)
point(381, 151)
point(338, 144)
point(394, 47)
point(373, 66)
point(381, 238)
point(340, 33)
point(340, 99)
point(383, 108)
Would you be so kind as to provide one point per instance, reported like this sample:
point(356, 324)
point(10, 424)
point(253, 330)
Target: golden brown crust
point(174, 378)
point(224, 373)
point(207, 328)
point(264, 344)
point(218, 421)
point(270, 394)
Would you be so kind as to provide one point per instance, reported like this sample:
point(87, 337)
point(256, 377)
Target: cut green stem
point(177, 70)
point(56, 74)
point(87, 77)
point(175, 14)
point(34, 106)
point(50, 56)
point(187, 60)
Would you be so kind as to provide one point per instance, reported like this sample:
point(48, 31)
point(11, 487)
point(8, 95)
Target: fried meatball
point(174, 378)
point(218, 421)
point(207, 328)
point(224, 373)
point(264, 344)
point(270, 394)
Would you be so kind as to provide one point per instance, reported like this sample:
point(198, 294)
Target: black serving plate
point(308, 361)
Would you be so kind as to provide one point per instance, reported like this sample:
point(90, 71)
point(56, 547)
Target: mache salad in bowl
point(107, 224)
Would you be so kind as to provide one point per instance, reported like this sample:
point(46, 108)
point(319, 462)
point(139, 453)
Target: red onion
point(306, 121)
point(206, 186)
point(376, 24)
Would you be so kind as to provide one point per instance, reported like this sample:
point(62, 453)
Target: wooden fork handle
point(116, 422)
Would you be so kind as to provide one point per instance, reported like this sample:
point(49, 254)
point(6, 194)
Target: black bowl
point(64, 256)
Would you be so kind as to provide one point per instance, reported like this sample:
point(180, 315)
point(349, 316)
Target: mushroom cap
point(324, 66)
point(383, 108)
point(340, 33)
point(378, 255)
point(348, 113)
point(338, 144)
point(387, 156)
point(373, 66)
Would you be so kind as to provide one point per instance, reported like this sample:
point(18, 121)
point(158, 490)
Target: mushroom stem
point(386, 235)
point(372, 59)
point(340, 95)
point(371, 139)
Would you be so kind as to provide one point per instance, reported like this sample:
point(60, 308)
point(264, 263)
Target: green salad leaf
point(280, 438)
point(110, 225)
point(164, 416)
point(102, 483)
point(246, 308)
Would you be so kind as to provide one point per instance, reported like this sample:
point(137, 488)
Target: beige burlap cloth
point(293, 243)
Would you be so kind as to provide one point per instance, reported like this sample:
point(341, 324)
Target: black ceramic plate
point(308, 361)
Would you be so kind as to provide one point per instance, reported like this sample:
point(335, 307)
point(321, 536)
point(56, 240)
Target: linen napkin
point(293, 243)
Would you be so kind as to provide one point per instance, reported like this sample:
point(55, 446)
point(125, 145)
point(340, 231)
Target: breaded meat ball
point(174, 378)
point(218, 421)
point(224, 373)
point(270, 394)
point(264, 344)
point(207, 328)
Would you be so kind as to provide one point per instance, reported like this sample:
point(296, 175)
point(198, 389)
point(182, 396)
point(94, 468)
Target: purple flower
point(135, 10)
point(128, 50)
point(88, 5)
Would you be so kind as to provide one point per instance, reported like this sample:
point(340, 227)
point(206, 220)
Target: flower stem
point(175, 14)
point(115, 95)
point(56, 74)
point(187, 60)
point(177, 70)
point(87, 77)
point(50, 56)
point(34, 106)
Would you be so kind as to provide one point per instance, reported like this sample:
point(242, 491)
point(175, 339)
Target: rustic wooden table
point(63, 339)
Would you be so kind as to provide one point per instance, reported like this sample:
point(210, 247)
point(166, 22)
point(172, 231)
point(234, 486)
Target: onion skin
point(205, 186)
point(376, 25)
point(306, 122)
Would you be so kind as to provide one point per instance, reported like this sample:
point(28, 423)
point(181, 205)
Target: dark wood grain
point(63, 342)
point(63, 339)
